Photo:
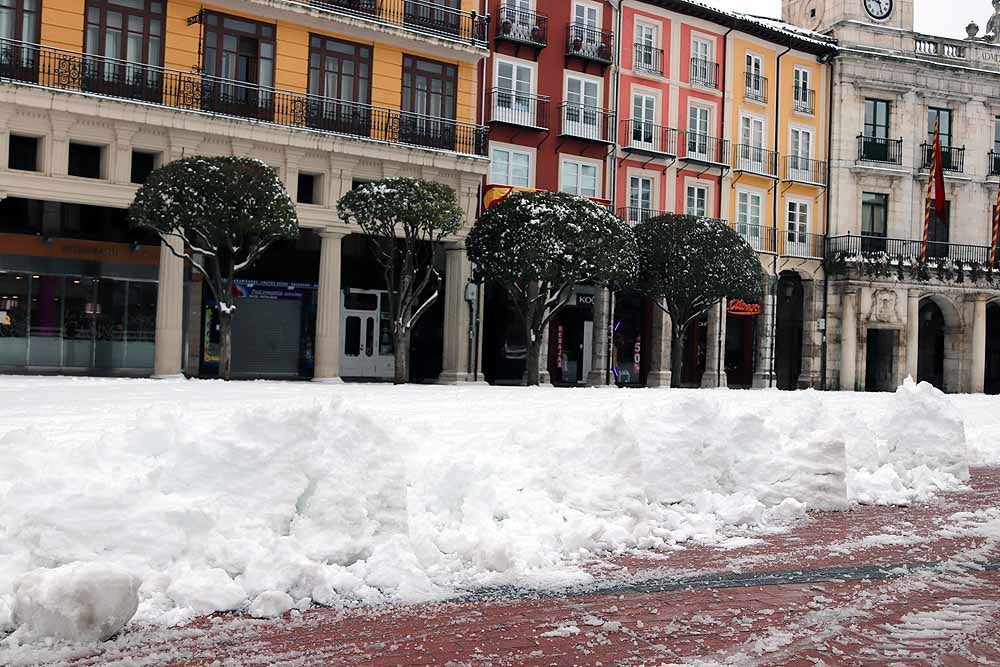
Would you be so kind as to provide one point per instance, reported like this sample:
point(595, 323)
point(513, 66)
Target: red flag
point(996, 233)
point(937, 173)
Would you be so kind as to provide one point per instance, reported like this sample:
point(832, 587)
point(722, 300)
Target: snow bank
point(264, 496)
point(79, 601)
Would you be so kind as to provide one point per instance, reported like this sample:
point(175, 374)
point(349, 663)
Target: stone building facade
point(890, 85)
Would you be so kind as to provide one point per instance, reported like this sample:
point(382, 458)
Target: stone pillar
point(977, 382)
point(328, 310)
point(659, 350)
point(599, 361)
point(763, 375)
point(912, 332)
point(544, 377)
point(169, 311)
point(458, 333)
point(849, 340)
point(715, 347)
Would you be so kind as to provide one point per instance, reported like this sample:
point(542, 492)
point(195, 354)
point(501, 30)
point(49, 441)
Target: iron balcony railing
point(804, 101)
point(586, 122)
point(641, 137)
point(522, 26)
point(865, 247)
point(421, 16)
point(880, 151)
point(590, 43)
point(515, 108)
point(703, 149)
point(804, 170)
point(66, 70)
point(759, 237)
point(994, 163)
point(755, 160)
point(648, 59)
point(756, 87)
point(704, 73)
point(800, 244)
point(635, 215)
point(952, 159)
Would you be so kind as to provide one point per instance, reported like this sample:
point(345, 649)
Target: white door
point(644, 121)
point(798, 227)
point(582, 118)
point(586, 23)
point(701, 62)
point(645, 48)
point(512, 102)
point(640, 198)
point(803, 94)
point(748, 217)
point(698, 132)
point(800, 156)
point(751, 152)
point(754, 77)
point(366, 335)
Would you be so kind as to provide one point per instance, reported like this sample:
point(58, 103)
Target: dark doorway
point(930, 357)
point(788, 331)
point(694, 353)
point(880, 360)
point(740, 338)
point(992, 349)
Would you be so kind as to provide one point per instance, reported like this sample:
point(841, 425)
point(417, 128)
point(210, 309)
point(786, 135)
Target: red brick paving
point(942, 616)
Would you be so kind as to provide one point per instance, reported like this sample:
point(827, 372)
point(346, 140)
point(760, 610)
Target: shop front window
point(13, 319)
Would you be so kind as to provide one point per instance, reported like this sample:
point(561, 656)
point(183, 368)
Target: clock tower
point(826, 15)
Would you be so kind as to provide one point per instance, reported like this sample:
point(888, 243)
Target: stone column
point(849, 340)
point(659, 346)
point(544, 377)
point(912, 332)
point(763, 376)
point(169, 312)
point(715, 348)
point(458, 333)
point(328, 310)
point(599, 361)
point(977, 382)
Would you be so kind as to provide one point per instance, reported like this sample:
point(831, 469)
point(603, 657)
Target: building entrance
point(930, 358)
point(992, 385)
point(788, 333)
point(880, 360)
point(367, 351)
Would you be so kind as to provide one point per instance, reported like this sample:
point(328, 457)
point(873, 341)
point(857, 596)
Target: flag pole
point(930, 190)
point(996, 234)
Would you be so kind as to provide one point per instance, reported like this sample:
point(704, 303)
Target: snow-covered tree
point(220, 214)
point(405, 219)
point(688, 265)
point(538, 245)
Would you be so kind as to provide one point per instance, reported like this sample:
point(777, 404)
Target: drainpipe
point(616, 8)
point(774, 231)
point(721, 351)
point(826, 235)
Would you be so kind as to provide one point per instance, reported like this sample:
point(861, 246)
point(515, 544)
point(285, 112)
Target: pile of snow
point(263, 496)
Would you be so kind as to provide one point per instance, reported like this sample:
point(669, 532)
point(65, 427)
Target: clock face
point(878, 9)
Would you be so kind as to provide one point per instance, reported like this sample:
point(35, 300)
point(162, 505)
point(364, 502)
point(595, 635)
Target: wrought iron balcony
point(590, 44)
point(804, 101)
point(65, 70)
point(759, 237)
point(800, 244)
point(851, 249)
point(755, 160)
point(635, 215)
point(803, 170)
point(648, 59)
point(422, 16)
point(880, 151)
point(994, 163)
point(705, 73)
point(523, 109)
point(648, 139)
point(952, 159)
point(755, 88)
point(586, 122)
point(703, 149)
point(522, 26)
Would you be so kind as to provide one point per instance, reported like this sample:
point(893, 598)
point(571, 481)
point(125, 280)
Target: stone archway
point(992, 380)
point(789, 318)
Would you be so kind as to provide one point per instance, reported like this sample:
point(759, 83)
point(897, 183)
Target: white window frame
point(574, 159)
point(647, 137)
point(588, 121)
point(696, 148)
point(640, 213)
point(752, 232)
point(520, 110)
point(697, 186)
point(796, 233)
point(510, 149)
point(710, 43)
point(801, 171)
point(644, 67)
point(758, 86)
point(750, 157)
point(590, 5)
point(800, 95)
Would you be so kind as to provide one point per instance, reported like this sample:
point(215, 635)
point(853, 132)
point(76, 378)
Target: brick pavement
point(894, 587)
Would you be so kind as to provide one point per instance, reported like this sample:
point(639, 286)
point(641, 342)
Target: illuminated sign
point(742, 308)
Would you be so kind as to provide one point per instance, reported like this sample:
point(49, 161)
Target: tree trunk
point(534, 354)
point(402, 360)
point(225, 341)
point(677, 354)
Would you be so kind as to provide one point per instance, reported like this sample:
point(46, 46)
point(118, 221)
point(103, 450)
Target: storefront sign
point(559, 347)
point(742, 308)
point(37, 246)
